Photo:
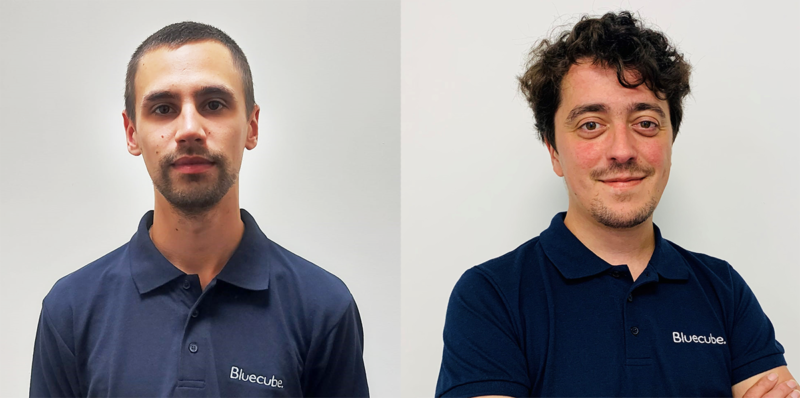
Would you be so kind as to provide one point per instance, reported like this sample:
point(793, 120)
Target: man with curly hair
point(600, 304)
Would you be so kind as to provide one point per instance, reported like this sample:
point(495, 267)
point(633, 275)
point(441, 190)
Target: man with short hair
point(200, 302)
point(600, 304)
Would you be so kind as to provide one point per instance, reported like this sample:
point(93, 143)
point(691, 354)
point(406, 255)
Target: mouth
point(623, 182)
point(192, 164)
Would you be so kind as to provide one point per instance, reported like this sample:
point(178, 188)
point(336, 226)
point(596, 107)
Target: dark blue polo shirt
point(553, 319)
point(132, 325)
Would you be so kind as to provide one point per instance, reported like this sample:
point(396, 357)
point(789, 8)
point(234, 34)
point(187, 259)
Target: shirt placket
point(196, 355)
point(638, 337)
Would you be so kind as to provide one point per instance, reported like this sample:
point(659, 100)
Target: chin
point(624, 217)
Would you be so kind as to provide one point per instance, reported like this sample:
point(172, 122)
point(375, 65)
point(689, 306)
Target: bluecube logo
point(241, 375)
point(678, 337)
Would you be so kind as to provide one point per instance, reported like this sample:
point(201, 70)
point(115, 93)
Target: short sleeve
point(482, 350)
point(335, 366)
point(54, 372)
point(752, 338)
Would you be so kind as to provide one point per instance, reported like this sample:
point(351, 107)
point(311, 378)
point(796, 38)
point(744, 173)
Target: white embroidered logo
point(710, 339)
point(239, 374)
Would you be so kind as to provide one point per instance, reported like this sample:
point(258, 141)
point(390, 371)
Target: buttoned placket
point(637, 336)
point(196, 353)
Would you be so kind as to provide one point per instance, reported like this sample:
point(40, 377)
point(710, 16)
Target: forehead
point(192, 65)
point(587, 83)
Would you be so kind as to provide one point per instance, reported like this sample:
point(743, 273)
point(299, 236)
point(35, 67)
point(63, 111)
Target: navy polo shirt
point(552, 319)
point(132, 325)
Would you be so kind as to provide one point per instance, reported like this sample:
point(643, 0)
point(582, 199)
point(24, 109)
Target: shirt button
point(195, 313)
point(630, 298)
point(616, 274)
point(192, 348)
point(635, 330)
point(187, 284)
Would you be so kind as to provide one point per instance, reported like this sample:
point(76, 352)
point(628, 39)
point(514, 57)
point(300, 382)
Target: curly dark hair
point(617, 41)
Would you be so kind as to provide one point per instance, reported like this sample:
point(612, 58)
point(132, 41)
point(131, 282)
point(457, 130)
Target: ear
point(554, 160)
point(130, 135)
point(252, 130)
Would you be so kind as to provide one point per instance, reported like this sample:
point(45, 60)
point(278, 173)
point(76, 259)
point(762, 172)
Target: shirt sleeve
point(752, 342)
point(482, 351)
point(335, 366)
point(54, 373)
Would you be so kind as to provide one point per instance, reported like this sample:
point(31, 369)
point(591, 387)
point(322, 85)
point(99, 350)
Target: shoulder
point(314, 287)
point(498, 280)
point(88, 279)
point(709, 268)
point(505, 271)
point(72, 296)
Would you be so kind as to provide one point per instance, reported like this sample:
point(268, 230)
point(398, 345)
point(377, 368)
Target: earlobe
point(130, 135)
point(554, 160)
point(252, 129)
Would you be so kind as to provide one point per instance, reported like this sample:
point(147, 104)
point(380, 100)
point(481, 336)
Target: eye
point(591, 129)
point(214, 105)
point(647, 127)
point(162, 109)
point(590, 126)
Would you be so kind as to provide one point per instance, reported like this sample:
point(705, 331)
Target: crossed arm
point(774, 383)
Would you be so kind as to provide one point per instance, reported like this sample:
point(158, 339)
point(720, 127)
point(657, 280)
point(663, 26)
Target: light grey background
point(323, 180)
point(476, 183)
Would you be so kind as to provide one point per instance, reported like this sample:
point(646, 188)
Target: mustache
point(630, 167)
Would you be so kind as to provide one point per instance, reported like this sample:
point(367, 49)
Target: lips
point(622, 179)
point(623, 182)
point(192, 164)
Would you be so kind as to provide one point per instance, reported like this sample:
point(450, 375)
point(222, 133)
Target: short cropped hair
point(617, 41)
point(176, 35)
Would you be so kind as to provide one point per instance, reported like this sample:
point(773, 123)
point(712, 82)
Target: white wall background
point(476, 183)
point(323, 181)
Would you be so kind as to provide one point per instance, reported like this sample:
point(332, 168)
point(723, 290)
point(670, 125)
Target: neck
point(631, 246)
point(198, 244)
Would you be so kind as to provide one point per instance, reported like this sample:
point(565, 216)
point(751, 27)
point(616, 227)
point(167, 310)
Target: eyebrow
point(158, 96)
point(580, 110)
point(205, 91)
point(646, 106)
point(601, 108)
point(209, 91)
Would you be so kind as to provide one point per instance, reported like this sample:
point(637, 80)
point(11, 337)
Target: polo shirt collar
point(247, 268)
point(574, 260)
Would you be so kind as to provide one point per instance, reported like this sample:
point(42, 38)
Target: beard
point(195, 194)
point(604, 215)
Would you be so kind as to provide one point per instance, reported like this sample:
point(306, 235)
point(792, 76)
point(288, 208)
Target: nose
point(190, 129)
point(623, 146)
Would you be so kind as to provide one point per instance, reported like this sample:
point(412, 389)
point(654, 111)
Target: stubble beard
point(199, 193)
point(604, 215)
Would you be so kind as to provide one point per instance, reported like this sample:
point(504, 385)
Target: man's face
point(191, 124)
point(614, 147)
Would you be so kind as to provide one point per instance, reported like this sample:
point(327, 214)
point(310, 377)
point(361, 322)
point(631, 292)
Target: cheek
point(581, 158)
point(656, 154)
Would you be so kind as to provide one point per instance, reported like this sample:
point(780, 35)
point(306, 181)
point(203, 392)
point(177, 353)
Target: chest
point(614, 337)
point(169, 345)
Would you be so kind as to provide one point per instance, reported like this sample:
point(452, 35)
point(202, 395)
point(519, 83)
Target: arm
point(482, 354)
point(777, 382)
point(335, 365)
point(54, 373)
point(754, 350)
